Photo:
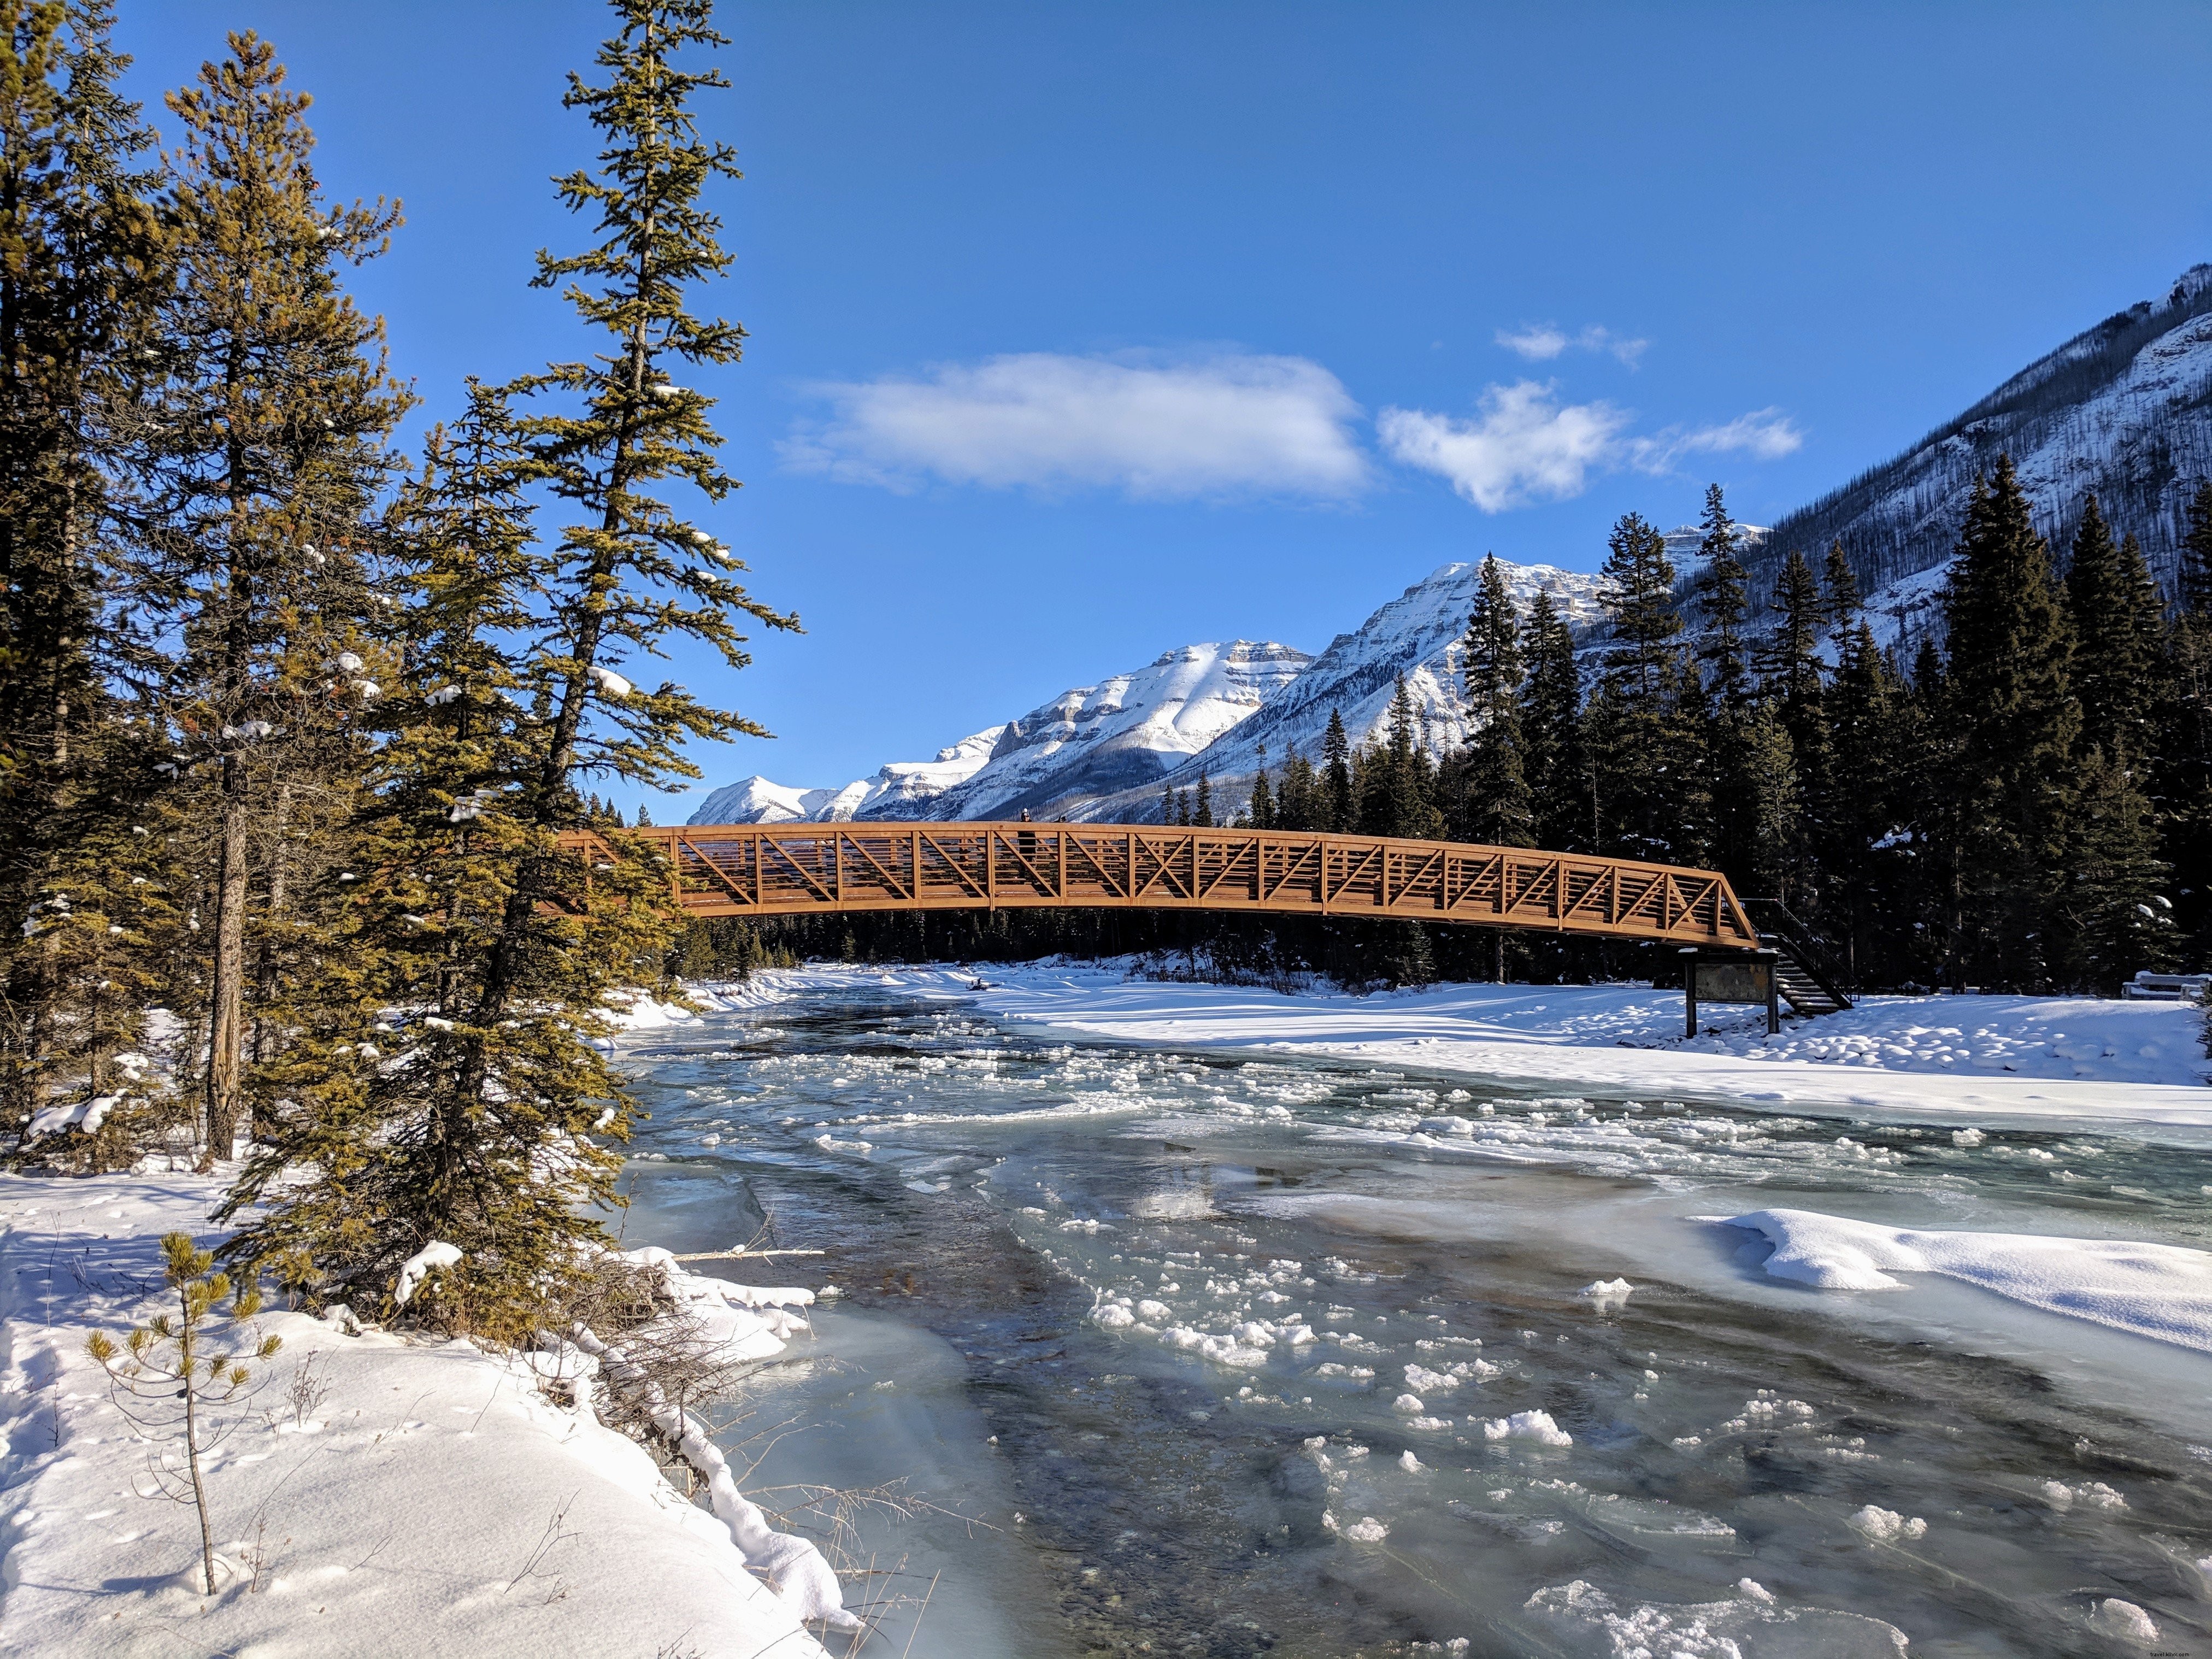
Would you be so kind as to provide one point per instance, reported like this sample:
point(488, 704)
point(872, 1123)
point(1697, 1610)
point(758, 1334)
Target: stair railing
point(1776, 920)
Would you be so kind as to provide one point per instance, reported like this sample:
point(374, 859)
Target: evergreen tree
point(1551, 731)
point(1749, 772)
point(1868, 835)
point(1644, 723)
point(1167, 804)
point(1494, 790)
point(2197, 554)
point(2119, 630)
point(2009, 696)
point(1261, 808)
point(1297, 802)
point(78, 271)
point(1721, 590)
point(1397, 781)
point(463, 1119)
point(1202, 811)
point(1843, 603)
point(260, 452)
point(2118, 919)
point(2181, 771)
point(1336, 796)
point(510, 1083)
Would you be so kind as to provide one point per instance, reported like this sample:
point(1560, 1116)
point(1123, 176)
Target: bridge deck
point(804, 869)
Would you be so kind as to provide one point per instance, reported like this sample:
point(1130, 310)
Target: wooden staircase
point(1802, 971)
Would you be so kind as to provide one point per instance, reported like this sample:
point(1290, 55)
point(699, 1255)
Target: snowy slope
point(1418, 635)
point(1125, 732)
point(898, 790)
point(2123, 410)
point(434, 1501)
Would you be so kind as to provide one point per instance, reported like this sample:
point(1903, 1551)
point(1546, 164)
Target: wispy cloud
point(1221, 426)
point(1525, 445)
point(1765, 434)
point(1541, 342)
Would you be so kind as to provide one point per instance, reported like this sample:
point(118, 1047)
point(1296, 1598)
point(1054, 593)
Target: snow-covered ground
point(1983, 1059)
point(432, 1501)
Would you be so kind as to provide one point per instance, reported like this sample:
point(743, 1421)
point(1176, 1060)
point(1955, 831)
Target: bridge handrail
point(800, 868)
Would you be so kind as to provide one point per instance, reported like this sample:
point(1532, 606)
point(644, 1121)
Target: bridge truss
point(807, 869)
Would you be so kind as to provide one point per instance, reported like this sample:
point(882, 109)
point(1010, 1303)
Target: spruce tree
point(79, 268)
point(1749, 770)
point(1842, 602)
point(2118, 919)
point(262, 447)
point(2197, 554)
point(1297, 801)
point(1336, 794)
point(1643, 726)
point(1261, 807)
point(1201, 813)
point(1493, 789)
point(1551, 731)
point(2119, 628)
point(511, 1086)
point(1397, 794)
point(2008, 694)
point(1722, 592)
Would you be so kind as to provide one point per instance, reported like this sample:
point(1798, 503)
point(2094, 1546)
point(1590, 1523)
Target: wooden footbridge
point(810, 869)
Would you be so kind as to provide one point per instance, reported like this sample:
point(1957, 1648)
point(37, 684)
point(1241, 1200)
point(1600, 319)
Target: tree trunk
point(226, 996)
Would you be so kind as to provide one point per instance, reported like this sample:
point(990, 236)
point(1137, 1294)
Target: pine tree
point(1202, 811)
point(1551, 710)
point(1645, 720)
point(1721, 590)
point(2197, 554)
point(1866, 835)
point(78, 272)
point(1261, 807)
point(1493, 791)
point(2118, 918)
point(2120, 629)
point(2181, 773)
point(488, 1134)
point(462, 1120)
point(1297, 802)
point(1167, 804)
point(1336, 795)
point(262, 448)
point(1397, 793)
point(2009, 695)
point(1842, 602)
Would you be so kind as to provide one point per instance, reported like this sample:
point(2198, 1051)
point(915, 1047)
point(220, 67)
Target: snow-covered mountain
point(2123, 410)
point(1123, 734)
point(1420, 635)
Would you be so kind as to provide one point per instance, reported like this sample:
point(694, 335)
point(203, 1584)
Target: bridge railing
point(799, 869)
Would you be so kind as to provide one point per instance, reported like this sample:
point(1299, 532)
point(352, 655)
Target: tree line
point(2024, 802)
point(293, 724)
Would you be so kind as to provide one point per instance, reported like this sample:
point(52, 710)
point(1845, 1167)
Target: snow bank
point(2160, 1290)
point(434, 1501)
point(2050, 1060)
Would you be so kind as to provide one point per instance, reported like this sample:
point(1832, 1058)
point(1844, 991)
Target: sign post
point(1737, 976)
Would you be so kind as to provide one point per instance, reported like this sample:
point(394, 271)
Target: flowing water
point(1206, 1354)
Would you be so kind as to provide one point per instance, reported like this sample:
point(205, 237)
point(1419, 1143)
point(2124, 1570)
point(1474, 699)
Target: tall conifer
point(2119, 628)
point(1494, 788)
point(266, 416)
point(1551, 731)
point(2007, 691)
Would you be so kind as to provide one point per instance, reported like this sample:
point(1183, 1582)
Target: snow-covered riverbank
point(1992, 1059)
point(431, 1501)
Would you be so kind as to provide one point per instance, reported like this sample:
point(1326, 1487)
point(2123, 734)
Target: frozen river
point(1209, 1353)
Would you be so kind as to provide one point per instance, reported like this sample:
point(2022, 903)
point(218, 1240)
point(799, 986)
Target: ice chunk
point(1886, 1526)
point(2123, 1620)
point(1368, 1530)
point(1527, 1425)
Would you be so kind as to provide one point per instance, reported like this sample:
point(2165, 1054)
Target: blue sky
point(1083, 332)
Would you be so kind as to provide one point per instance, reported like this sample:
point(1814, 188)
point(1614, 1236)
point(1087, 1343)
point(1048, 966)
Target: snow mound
point(2163, 1291)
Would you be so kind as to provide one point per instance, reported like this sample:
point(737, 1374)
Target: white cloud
point(1765, 434)
point(1229, 425)
point(1524, 446)
point(1541, 342)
